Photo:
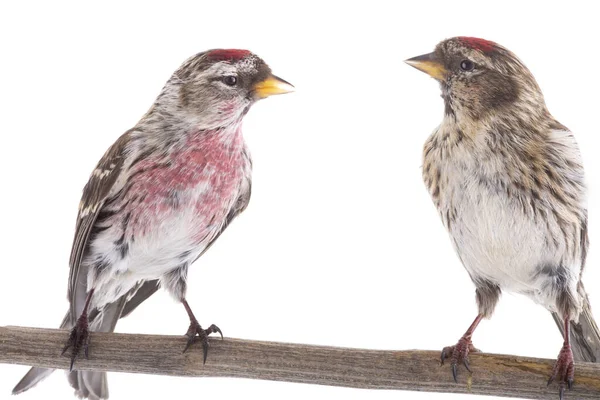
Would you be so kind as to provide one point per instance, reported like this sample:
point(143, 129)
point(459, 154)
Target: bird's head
point(480, 79)
point(217, 87)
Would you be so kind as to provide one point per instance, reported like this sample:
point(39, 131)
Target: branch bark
point(498, 375)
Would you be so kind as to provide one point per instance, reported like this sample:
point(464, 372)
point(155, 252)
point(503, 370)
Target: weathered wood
point(498, 375)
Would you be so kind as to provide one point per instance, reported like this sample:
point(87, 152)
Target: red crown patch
point(478, 44)
point(228, 54)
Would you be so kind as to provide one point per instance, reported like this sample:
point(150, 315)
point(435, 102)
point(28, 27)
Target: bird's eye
point(467, 65)
point(230, 80)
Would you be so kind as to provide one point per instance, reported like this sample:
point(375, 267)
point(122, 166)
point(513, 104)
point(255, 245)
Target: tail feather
point(585, 335)
point(36, 375)
point(87, 384)
point(32, 378)
point(93, 384)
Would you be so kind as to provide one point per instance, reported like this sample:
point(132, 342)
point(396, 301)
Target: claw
point(563, 370)
point(443, 357)
point(202, 334)
point(459, 354)
point(86, 347)
point(70, 341)
point(78, 338)
point(72, 363)
point(189, 343)
point(214, 329)
point(204, 350)
point(466, 364)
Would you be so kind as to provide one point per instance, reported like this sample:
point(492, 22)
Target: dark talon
point(214, 329)
point(205, 350)
point(78, 338)
point(563, 370)
point(189, 342)
point(86, 347)
point(466, 364)
point(72, 363)
point(459, 354)
point(202, 335)
point(62, 353)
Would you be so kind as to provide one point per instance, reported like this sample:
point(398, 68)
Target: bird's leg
point(460, 351)
point(196, 329)
point(564, 369)
point(80, 334)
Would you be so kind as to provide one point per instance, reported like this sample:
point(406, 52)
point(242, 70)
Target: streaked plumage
point(159, 197)
point(508, 182)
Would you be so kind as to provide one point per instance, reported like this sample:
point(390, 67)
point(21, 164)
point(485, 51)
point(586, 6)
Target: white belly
point(499, 239)
point(164, 240)
point(151, 255)
point(509, 229)
point(497, 242)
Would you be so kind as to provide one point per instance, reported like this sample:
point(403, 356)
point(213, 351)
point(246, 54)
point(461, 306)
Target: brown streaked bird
point(508, 181)
point(159, 198)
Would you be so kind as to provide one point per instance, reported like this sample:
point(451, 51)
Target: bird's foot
point(78, 339)
point(564, 369)
point(459, 353)
point(196, 329)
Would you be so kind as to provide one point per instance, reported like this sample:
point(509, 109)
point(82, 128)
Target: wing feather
point(95, 194)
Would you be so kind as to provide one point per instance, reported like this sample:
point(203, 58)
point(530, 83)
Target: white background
point(341, 244)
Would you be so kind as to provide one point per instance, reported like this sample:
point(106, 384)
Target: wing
point(569, 189)
point(94, 196)
point(147, 289)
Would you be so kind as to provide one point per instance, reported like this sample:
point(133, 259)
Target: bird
point(158, 199)
point(508, 182)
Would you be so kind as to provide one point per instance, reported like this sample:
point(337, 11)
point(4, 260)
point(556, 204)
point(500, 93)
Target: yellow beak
point(272, 85)
point(430, 64)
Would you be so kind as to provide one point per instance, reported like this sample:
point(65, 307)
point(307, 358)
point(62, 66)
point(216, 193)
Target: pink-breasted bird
point(508, 181)
point(159, 198)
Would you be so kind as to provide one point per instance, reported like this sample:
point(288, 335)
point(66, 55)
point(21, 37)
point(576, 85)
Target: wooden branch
point(498, 375)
